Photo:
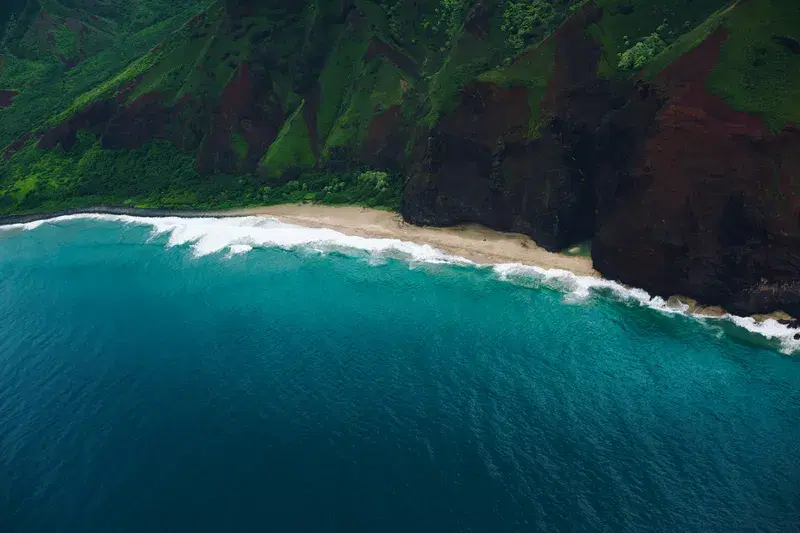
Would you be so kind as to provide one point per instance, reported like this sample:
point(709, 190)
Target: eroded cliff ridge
point(663, 132)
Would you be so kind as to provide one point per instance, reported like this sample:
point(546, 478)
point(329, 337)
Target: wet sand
point(476, 243)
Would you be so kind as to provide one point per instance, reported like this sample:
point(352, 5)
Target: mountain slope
point(664, 132)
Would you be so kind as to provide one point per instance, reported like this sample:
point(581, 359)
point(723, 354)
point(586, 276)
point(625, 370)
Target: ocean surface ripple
point(240, 235)
point(247, 375)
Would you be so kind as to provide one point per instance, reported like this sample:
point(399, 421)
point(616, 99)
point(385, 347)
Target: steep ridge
point(664, 133)
point(679, 192)
point(720, 217)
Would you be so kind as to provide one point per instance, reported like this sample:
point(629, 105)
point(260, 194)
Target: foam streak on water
point(580, 288)
point(240, 235)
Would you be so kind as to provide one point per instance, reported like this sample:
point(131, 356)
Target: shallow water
point(200, 377)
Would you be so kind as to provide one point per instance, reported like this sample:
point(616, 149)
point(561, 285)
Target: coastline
point(473, 242)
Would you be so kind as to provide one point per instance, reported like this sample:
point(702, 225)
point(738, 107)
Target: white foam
point(579, 288)
point(26, 226)
point(771, 329)
point(239, 249)
point(240, 235)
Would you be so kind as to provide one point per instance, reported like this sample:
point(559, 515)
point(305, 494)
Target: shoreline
point(473, 242)
point(470, 241)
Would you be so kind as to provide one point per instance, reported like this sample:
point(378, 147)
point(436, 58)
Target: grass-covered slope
point(248, 101)
point(759, 68)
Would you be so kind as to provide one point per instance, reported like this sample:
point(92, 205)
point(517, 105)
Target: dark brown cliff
point(678, 192)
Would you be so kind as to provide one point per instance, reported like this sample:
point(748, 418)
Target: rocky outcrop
point(92, 118)
point(480, 164)
point(136, 123)
point(244, 109)
point(7, 98)
point(679, 193)
point(717, 216)
point(386, 140)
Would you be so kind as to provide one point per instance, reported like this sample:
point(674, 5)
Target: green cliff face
point(636, 124)
point(255, 93)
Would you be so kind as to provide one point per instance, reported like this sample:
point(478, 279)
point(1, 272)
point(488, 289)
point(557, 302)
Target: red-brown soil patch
point(200, 18)
point(686, 80)
point(16, 146)
point(92, 118)
point(7, 98)
point(386, 140)
point(487, 113)
point(138, 122)
point(248, 108)
point(576, 59)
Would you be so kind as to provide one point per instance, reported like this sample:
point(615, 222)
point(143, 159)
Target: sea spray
point(240, 235)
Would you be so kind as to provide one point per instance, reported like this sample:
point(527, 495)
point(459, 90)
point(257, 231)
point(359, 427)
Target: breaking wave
point(578, 288)
point(240, 235)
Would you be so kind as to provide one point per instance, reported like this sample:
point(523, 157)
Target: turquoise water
point(166, 382)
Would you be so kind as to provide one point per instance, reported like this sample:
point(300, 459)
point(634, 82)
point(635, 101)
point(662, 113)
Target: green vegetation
point(687, 42)
point(468, 58)
point(626, 24)
point(160, 175)
point(109, 88)
point(67, 42)
point(449, 16)
point(156, 174)
point(47, 87)
point(239, 145)
point(756, 73)
point(292, 149)
point(338, 79)
point(641, 53)
point(519, 24)
point(379, 88)
point(226, 75)
point(368, 188)
point(7, 32)
point(523, 18)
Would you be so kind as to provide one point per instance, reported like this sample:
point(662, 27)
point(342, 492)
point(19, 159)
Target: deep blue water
point(143, 389)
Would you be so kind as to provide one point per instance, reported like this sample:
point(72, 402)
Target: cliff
point(664, 133)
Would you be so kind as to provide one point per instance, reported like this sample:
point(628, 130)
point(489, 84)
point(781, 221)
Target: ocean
point(246, 375)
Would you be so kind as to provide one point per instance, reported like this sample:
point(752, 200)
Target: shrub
point(449, 16)
point(521, 18)
point(375, 179)
point(638, 55)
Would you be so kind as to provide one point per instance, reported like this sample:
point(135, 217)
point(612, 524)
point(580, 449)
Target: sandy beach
point(470, 241)
point(473, 242)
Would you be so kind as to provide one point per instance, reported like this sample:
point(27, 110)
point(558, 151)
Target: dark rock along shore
point(678, 193)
